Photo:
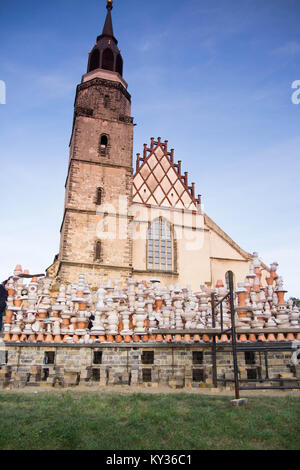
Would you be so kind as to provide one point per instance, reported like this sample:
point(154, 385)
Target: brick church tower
point(99, 180)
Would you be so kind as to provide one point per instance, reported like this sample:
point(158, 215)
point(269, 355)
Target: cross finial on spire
point(109, 5)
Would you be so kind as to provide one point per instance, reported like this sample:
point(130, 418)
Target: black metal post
point(221, 312)
point(214, 349)
point(266, 364)
point(233, 335)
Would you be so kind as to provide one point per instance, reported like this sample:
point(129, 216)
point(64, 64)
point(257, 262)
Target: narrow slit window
point(103, 144)
point(99, 197)
point(98, 251)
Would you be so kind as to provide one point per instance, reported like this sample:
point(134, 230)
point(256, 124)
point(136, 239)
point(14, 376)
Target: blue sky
point(213, 77)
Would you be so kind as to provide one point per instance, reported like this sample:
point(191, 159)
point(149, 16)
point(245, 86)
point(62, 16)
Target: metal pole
point(233, 335)
point(214, 349)
point(266, 364)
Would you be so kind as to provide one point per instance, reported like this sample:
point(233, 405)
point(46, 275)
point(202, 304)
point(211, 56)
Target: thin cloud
point(291, 48)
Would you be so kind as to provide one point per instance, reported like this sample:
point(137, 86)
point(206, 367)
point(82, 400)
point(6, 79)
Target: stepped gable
point(159, 181)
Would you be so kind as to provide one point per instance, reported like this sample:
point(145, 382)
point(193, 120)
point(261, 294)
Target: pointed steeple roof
point(106, 54)
point(108, 26)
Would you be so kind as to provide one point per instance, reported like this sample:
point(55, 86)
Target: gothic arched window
point(119, 67)
point(108, 60)
point(160, 246)
point(94, 60)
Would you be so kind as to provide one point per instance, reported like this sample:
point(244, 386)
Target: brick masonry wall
point(102, 107)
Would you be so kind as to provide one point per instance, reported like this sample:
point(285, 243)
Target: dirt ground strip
point(127, 390)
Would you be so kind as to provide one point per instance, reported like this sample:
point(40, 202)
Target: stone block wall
point(177, 367)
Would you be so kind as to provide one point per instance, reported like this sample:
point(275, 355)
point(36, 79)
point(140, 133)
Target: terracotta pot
point(23, 338)
point(120, 327)
point(32, 338)
point(17, 302)
point(119, 339)
point(159, 338)
point(261, 337)
point(187, 338)
point(298, 337)
point(205, 338)
point(178, 338)
point(49, 338)
point(57, 339)
point(102, 339)
point(224, 338)
point(280, 337)
point(127, 339)
point(82, 325)
point(6, 337)
point(158, 304)
point(280, 295)
point(243, 338)
point(168, 339)
point(197, 338)
point(110, 339)
point(252, 337)
point(75, 338)
point(40, 337)
point(65, 323)
point(8, 316)
point(136, 338)
point(271, 337)
point(290, 337)
point(15, 337)
point(152, 338)
point(242, 314)
point(41, 315)
point(242, 298)
point(82, 306)
point(145, 338)
point(11, 292)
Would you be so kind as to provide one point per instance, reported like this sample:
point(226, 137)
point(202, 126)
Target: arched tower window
point(103, 144)
point(119, 67)
point(94, 60)
point(160, 246)
point(98, 251)
point(108, 59)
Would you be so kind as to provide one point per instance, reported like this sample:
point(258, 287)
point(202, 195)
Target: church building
point(125, 219)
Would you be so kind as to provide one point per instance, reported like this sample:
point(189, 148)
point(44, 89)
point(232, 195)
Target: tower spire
point(106, 54)
point(108, 27)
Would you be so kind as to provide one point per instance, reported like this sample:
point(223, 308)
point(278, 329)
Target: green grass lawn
point(73, 420)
